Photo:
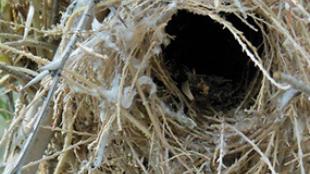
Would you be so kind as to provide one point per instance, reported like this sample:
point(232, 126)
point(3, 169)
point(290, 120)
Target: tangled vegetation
point(166, 86)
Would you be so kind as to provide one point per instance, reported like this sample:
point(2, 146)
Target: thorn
point(36, 79)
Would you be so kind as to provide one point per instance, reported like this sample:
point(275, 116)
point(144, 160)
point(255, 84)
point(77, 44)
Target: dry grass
point(109, 116)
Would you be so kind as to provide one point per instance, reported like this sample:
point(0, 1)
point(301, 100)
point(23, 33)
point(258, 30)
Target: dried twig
point(17, 72)
point(256, 148)
point(222, 148)
point(34, 163)
point(56, 77)
point(298, 130)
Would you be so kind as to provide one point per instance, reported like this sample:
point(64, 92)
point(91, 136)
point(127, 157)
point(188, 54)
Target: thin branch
point(57, 153)
point(16, 71)
point(56, 77)
point(37, 59)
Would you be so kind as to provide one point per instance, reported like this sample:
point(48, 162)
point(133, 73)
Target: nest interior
point(162, 87)
point(205, 55)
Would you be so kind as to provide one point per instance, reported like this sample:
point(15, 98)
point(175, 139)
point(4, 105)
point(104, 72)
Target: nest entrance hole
point(205, 55)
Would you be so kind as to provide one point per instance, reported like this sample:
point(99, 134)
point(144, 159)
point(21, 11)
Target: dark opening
point(206, 55)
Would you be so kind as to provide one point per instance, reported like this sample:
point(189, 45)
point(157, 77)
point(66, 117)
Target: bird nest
point(174, 87)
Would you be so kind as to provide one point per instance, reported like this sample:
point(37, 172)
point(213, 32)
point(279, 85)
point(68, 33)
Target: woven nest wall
point(177, 87)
